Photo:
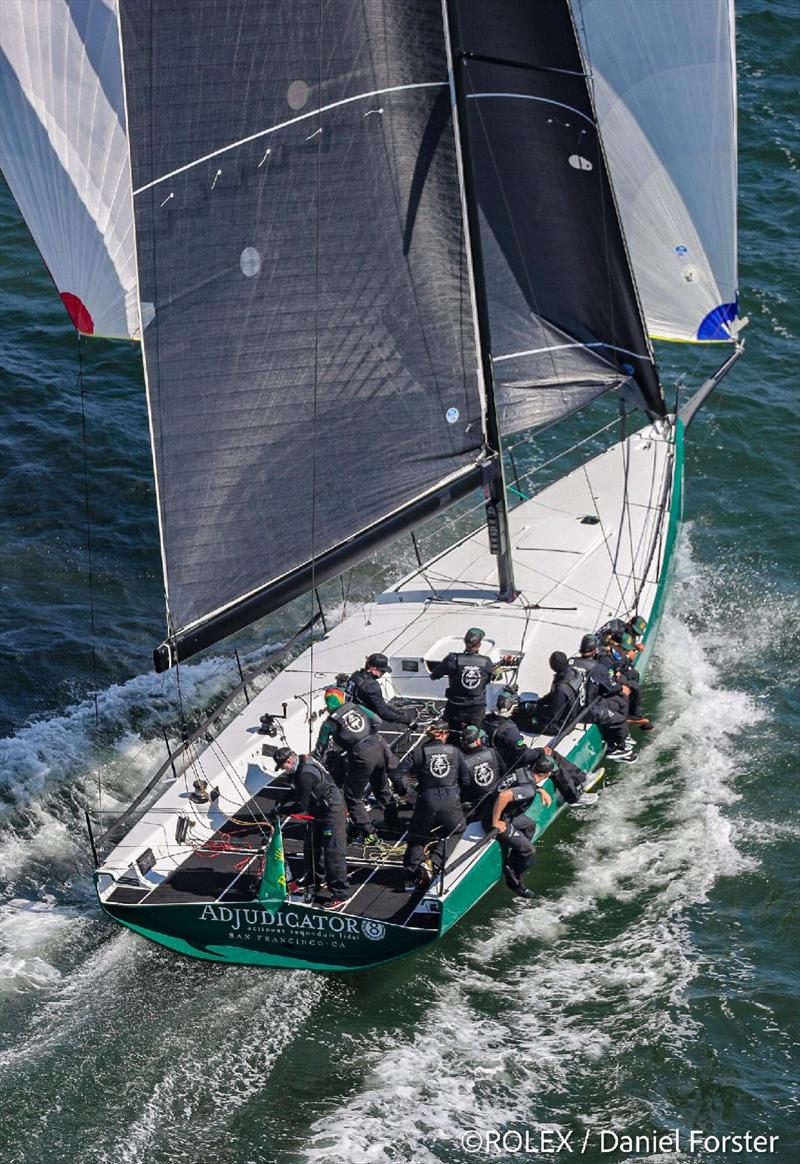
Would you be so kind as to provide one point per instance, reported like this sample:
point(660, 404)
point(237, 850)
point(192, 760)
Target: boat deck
point(227, 866)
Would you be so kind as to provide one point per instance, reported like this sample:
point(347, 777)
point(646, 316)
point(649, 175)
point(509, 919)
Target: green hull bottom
point(308, 938)
point(293, 936)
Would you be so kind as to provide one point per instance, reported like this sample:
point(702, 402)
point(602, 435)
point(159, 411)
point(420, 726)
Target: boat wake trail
point(49, 776)
point(92, 1019)
point(590, 989)
point(114, 1050)
point(137, 1056)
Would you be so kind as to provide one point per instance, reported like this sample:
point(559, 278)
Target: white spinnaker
point(664, 75)
point(64, 153)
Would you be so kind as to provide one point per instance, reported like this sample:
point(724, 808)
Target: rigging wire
point(625, 516)
point(312, 594)
point(614, 575)
point(90, 561)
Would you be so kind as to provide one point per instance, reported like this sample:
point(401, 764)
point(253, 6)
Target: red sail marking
point(78, 313)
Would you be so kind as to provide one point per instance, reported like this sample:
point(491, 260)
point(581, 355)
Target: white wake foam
point(548, 992)
point(49, 769)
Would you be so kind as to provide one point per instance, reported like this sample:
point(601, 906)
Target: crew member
point(353, 732)
point(441, 774)
point(565, 697)
point(598, 681)
point(505, 816)
point(326, 839)
point(363, 688)
point(620, 660)
point(483, 765)
point(605, 700)
point(628, 651)
point(468, 673)
point(567, 777)
point(501, 731)
point(617, 627)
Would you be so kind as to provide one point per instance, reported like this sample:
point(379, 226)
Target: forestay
point(664, 77)
point(564, 317)
point(309, 333)
point(64, 153)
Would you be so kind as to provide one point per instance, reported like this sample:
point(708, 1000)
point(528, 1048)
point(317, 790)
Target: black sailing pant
point(635, 698)
point(459, 715)
point(519, 852)
point(324, 848)
point(542, 718)
point(517, 842)
point(569, 780)
point(440, 807)
point(366, 766)
point(611, 716)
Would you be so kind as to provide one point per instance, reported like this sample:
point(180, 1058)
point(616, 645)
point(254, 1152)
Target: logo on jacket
point(354, 721)
point(439, 766)
point(374, 930)
point(470, 677)
point(482, 775)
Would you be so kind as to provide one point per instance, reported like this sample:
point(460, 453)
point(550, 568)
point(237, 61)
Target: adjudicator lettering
point(291, 926)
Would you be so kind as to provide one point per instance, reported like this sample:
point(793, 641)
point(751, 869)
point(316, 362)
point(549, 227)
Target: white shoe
point(623, 756)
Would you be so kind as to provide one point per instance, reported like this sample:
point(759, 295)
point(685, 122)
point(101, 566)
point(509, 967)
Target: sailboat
point(362, 246)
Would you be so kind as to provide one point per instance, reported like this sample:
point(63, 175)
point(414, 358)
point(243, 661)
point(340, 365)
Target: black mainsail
point(310, 353)
point(371, 240)
point(564, 316)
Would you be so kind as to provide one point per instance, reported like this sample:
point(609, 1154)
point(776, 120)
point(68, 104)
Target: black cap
point(380, 662)
point(473, 637)
point(282, 755)
point(588, 643)
point(543, 764)
point(470, 735)
point(438, 725)
point(558, 661)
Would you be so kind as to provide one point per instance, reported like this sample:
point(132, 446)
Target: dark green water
point(653, 983)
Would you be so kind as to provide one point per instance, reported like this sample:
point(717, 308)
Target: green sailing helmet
point(639, 625)
point(628, 643)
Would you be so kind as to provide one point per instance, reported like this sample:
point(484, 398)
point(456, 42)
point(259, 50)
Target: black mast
point(494, 475)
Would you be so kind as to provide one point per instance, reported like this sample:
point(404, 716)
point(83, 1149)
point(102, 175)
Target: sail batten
point(285, 125)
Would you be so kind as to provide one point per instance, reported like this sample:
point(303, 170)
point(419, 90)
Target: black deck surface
point(227, 867)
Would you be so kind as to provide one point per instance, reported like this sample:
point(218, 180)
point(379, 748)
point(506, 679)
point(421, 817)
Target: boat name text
point(240, 918)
